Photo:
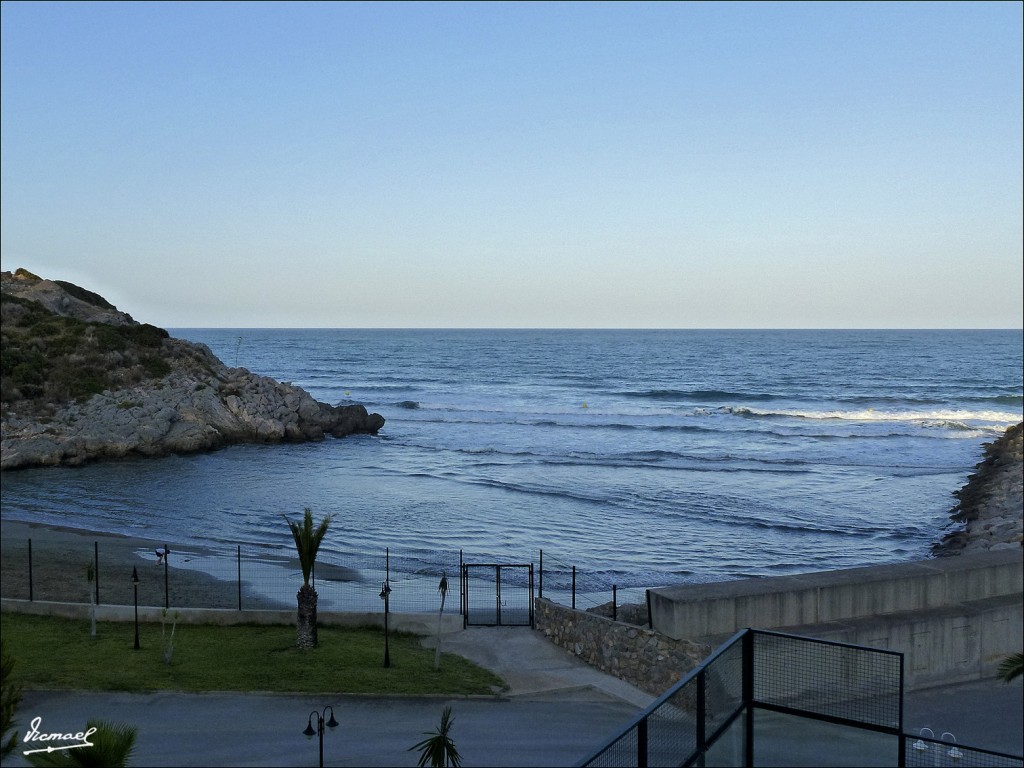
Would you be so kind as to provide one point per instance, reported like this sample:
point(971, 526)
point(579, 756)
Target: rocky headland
point(990, 512)
point(83, 381)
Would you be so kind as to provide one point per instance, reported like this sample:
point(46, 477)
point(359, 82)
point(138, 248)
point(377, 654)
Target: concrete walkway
point(535, 668)
point(556, 712)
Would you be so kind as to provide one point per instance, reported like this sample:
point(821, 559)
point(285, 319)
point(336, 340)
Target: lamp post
point(309, 732)
point(385, 594)
point(135, 584)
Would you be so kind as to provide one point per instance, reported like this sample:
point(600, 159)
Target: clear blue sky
point(520, 165)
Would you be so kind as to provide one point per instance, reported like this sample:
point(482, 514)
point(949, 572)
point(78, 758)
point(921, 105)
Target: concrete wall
point(647, 659)
point(939, 647)
point(953, 618)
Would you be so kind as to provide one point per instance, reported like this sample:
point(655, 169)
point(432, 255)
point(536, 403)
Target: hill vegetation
point(50, 359)
point(81, 380)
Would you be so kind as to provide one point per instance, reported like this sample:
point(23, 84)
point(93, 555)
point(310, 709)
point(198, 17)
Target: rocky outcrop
point(193, 403)
point(63, 298)
point(990, 512)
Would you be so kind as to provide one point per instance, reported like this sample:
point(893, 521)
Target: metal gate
point(497, 594)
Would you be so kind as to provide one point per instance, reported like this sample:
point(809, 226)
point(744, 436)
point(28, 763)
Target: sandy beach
point(196, 576)
point(61, 556)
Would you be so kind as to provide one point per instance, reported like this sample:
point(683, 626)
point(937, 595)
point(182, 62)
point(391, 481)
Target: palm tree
point(438, 748)
point(1011, 667)
point(111, 746)
point(307, 543)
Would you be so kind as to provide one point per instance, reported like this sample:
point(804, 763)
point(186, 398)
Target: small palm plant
point(438, 749)
point(111, 746)
point(1011, 667)
point(167, 643)
point(307, 544)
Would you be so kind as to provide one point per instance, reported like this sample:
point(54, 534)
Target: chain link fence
point(263, 578)
point(238, 577)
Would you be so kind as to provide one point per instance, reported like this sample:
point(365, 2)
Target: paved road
point(266, 730)
point(557, 711)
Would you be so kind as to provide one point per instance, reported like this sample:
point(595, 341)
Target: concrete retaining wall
point(647, 659)
point(721, 609)
point(953, 618)
point(940, 647)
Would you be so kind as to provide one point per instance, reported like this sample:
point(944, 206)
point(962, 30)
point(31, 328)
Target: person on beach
point(161, 554)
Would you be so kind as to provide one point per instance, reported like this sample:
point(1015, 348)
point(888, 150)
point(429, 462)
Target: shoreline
point(990, 509)
point(61, 555)
point(198, 576)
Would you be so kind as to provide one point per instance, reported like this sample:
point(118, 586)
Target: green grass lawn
point(54, 653)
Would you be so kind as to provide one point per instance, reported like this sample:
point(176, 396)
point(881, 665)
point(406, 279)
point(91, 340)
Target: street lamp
point(385, 594)
point(135, 583)
point(309, 732)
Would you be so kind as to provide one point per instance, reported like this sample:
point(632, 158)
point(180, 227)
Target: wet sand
point(196, 576)
point(60, 558)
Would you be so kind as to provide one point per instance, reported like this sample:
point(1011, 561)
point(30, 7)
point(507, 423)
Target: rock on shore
point(991, 505)
point(194, 403)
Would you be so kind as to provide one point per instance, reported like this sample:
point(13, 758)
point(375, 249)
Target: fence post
point(96, 556)
point(167, 591)
point(650, 618)
point(239, 577)
point(30, 570)
point(701, 717)
point(641, 743)
point(540, 584)
point(532, 617)
point(465, 580)
point(748, 696)
point(902, 762)
point(574, 587)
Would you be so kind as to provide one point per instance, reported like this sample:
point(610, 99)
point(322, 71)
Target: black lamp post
point(135, 583)
point(385, 594)
point(309, 732)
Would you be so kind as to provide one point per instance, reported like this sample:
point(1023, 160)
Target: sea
point(642, 457)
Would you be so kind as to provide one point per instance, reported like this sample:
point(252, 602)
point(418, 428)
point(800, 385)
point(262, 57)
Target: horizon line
point(572, 328)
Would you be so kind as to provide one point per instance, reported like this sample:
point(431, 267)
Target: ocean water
point(645, 457)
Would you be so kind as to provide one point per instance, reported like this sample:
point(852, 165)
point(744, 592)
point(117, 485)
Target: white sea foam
point(952, 419)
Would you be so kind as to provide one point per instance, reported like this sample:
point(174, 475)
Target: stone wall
point(651, 661)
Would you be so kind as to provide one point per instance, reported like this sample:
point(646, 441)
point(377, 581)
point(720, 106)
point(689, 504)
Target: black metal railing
point(768, 698)
point(497, 594)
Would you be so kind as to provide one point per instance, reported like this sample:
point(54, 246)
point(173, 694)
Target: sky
point(535, 165)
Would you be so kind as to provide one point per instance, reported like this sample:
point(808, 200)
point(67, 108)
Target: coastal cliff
point(83, 381)
point(990, 512)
